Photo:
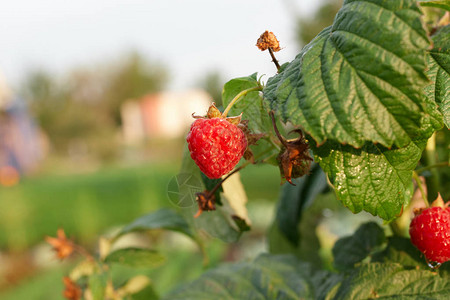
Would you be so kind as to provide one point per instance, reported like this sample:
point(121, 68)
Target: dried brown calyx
point(268, 40)
point(294, 159)
point(206, 202)
point(252, 139)
point(214, 112)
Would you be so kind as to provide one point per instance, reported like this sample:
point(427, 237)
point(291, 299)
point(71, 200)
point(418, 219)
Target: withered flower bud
point(61, 244)
point(294, 159)
point(268, 40)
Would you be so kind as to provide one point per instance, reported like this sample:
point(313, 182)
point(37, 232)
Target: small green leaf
point(392, 281)
point(136, 258)
point(161, 219)
point(373, 178)
point(443, 4)
point(252, 109)
point(351, 250)
point(97, 286)
point(294, 199)
point(361, 79)
point(439, 72)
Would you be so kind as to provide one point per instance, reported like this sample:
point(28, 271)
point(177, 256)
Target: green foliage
point(284, 277)
point(377, 280)
point(358, 94)
point(97, 284)
point(293, 201)
point(444, 4)
point(267, 277)
point(136, 257)
point(439, 72)
point(163, 218)
point(373, 178)
point(354, 83)
point(351, 250)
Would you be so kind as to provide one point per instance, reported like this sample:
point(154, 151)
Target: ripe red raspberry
point(430, 232)
point(216, 145)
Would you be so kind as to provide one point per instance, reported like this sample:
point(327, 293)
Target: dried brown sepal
point(439, 202)
point(268, 40)
point(72, 291)
point(61, 244)
point(294, 159)
point(249, 156)
point(235, 120)
point(213, 112)
point(206, 202)
point(252, 139)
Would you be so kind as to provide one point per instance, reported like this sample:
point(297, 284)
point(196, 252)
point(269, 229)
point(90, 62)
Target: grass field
point(85, 205)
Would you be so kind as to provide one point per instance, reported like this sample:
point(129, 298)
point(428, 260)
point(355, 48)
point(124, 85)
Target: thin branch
point(274, 59)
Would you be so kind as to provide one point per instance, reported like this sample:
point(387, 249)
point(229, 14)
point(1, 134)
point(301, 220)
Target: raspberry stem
point(422, 191)
point(430, 158)
point(274, 59)
point(238, 96)
point(437, 165)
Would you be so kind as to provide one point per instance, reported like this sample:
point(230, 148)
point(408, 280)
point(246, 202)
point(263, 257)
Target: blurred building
point(20, 144)
point(162, 115)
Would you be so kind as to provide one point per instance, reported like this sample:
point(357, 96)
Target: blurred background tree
point(308, 27)
point(81, 114)
point(132, 78)
point(213, 83)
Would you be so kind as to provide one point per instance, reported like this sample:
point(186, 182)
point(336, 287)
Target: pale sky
point(189, 36)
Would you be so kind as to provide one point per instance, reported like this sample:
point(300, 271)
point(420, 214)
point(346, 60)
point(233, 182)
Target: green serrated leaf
point(294, 199)
point(439, 72)
point(392, 281)
point(443, 4)
point(351, 250)
point(267, 277)
point(162, 219)
point(360, 79)
point(373, 178)
point(136, 258)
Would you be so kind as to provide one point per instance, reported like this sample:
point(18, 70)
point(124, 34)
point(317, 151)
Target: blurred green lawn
point(85, 205)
